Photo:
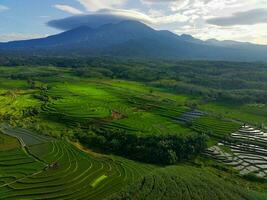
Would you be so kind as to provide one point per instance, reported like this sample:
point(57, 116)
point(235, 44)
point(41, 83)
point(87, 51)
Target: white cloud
point(252, 34)
point(168, 19)
point(158, 2)
point(190, 17)
point(97, 19)
point(3, 8)
point(155, 13)
point(132, 14)
point(19, 36)
point(249, 17)
point(68, 9)
point(180, 5)
point(95, 5)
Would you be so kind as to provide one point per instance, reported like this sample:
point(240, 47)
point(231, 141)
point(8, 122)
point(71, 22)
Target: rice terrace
point(71, 136)
point(133, 100)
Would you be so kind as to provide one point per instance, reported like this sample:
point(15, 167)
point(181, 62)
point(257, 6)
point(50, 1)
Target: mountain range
point(135, 40)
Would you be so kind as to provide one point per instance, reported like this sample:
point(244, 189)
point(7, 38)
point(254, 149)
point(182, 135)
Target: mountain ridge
point(131, 38)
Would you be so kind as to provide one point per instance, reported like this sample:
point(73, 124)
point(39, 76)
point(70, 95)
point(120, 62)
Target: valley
point(133, 100)
point(76, 133)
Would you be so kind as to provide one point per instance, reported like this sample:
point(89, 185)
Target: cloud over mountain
point(98, 19)
point(95, 5)
point(249, 17)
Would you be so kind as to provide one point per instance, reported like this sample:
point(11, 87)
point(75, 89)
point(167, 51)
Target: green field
point(55, 169)
point(214, 127)
point(83, 101)
point(184, 182)
point(67, 136)
point(250, 113)
point(8, 143)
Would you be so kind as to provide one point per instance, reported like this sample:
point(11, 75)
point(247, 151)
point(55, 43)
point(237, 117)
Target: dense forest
point(163, 149)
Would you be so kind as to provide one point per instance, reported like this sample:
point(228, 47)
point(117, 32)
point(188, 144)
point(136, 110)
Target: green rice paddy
point(184, 182)
point(61, 171)
point(38, 125)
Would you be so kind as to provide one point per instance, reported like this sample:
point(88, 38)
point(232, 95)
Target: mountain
point(135, 39)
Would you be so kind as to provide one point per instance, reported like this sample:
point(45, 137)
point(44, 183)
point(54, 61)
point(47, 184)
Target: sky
point(240, 20)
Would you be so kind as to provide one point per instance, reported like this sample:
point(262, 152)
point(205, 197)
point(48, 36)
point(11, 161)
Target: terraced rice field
point(82, 103)
point(217, 128)
point(184, 182)
point(8, 143)
point(25, 137)
point(248, 154)
point(87, 102)
point(35, 166)
point(254, 114)
point(46, 168)
point(148, 123)
point(204, 123)
point(188, 117)
point(14, 104)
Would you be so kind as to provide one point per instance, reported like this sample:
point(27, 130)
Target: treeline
point(162, 149)
point(213, 81)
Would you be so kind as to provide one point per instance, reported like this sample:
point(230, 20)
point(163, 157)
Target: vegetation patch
point(62, 171)
point(185, 182)
point(8, 143)
point(100, 179)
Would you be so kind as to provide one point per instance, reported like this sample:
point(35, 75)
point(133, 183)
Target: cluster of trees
point(160, 149)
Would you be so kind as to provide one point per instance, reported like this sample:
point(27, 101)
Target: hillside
point(133, 100)
point(55, 169)
point(184, 182)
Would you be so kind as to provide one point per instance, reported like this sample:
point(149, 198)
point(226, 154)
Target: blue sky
point(241, 20)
